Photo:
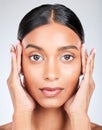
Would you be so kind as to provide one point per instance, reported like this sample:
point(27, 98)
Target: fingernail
point(94, 50)
point(18, 41)
point(11, 48)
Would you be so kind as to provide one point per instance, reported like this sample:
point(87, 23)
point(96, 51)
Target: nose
point(51, 71)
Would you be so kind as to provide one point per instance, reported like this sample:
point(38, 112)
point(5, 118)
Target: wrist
point(21, 110)
point(79, 116)
point(22, 121)
point(22, 115)
point(79, 121)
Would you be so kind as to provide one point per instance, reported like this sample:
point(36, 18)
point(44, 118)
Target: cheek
point(71, 74)
point(32, 75)
point(70, 79)
point(72, 70)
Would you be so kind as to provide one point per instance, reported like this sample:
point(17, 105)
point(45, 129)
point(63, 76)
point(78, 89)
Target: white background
point(11, 12)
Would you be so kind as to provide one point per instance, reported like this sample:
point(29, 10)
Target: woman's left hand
point(77, 106)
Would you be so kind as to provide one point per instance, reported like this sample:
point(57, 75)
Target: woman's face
point(51, 63)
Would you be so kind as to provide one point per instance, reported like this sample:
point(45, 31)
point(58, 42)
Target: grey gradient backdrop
point(11, 12)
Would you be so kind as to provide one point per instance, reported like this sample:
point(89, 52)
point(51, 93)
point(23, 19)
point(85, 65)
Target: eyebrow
point(68, 47)
point(33, 46)
point(59, 49)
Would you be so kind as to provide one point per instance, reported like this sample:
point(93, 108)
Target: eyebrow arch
point(68, 47)
point(33, 46)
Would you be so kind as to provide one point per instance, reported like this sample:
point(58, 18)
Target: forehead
point(54, 34)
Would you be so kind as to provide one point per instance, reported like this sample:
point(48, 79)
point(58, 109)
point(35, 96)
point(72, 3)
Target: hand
point(77, 105)
point(22, 101)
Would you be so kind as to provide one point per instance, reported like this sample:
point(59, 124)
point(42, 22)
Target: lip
point(51, 92)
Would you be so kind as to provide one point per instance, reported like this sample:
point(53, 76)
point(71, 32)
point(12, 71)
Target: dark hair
point(47, 13)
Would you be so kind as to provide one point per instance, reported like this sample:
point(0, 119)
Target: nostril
point(51, 77)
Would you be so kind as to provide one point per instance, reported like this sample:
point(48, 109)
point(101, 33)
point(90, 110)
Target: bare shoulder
point(6, 127)
point(96, 126)
point(9, 126)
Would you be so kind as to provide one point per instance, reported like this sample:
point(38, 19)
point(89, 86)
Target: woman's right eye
point(36, 57)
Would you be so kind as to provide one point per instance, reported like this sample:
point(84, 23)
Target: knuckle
point(93, 85)
point(8, 80)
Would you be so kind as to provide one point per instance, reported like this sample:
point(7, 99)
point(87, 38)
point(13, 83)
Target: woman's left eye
point(36, 57)
point(67, 57)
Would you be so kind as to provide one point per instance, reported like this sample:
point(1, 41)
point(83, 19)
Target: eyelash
point(67, 57)
point(38, 58)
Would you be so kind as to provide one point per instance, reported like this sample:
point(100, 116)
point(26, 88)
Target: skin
point(50, 69)
point(32, 109)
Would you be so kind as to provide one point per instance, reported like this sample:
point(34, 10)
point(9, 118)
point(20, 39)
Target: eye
point(67, 57)
point(36, 57)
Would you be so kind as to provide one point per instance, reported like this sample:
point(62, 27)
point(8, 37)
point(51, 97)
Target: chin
point(50, 104)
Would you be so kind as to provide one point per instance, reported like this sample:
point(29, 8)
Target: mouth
point(51, 92)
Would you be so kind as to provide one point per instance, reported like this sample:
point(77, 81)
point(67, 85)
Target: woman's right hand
point(23, 104)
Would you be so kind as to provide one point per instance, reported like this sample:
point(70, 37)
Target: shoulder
point(9, 126)
point(6, 127)
point(95, 126)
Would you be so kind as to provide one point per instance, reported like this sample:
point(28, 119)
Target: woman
point(51, 76)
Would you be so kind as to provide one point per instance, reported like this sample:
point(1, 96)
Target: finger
point(88, 69)
point(90, 65)
point(92, 53)
point(92, 85)
point(88, 80)
point(13, 59)
point(14, 78)
point(10, 80)
point(18, 56)
point(84, 58)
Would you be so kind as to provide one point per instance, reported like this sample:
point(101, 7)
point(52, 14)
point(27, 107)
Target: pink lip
point(51, 92)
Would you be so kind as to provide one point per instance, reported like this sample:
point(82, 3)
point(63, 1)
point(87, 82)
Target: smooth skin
point(51, 56)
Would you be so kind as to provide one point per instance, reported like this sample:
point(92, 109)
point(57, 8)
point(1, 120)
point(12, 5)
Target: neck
point(52, 119)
